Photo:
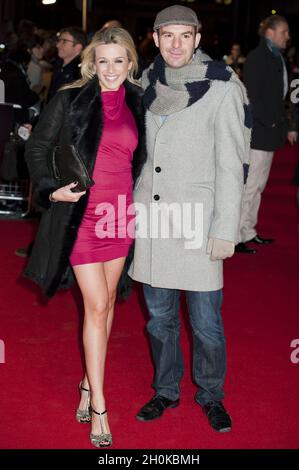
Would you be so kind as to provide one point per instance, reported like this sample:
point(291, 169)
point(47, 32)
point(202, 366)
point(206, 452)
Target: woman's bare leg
point(98, 284)
point(113, 270)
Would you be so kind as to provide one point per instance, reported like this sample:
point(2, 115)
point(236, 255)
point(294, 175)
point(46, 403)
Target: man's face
point(235, 51)
point(177, 44)
point(67, 48)
point(280, 35)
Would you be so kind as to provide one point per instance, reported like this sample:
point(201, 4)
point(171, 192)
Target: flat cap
point(176, 14)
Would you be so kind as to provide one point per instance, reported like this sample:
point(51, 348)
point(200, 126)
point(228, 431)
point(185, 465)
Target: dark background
point(224, 21)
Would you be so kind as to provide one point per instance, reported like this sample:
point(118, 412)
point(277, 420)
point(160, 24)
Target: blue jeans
point(209, 352)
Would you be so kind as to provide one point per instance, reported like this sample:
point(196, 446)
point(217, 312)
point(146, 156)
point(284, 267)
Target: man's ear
point(156, 38)
point(269, 33)
point(78, 48)
point(197, 39)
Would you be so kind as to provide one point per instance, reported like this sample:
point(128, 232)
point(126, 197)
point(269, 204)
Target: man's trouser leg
point(164, 332)
point(260, 165)
point(209, 350)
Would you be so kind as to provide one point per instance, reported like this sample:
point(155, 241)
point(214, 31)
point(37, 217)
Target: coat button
point(156, 197)
point(157, 169)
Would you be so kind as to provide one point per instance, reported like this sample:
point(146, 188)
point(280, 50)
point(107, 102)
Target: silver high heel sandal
point(103, 439)
point(84, 416)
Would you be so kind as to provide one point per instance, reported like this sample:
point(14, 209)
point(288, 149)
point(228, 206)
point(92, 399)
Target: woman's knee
point(98, 311)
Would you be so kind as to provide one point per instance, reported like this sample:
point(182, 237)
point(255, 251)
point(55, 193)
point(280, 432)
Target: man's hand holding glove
point(220, 249)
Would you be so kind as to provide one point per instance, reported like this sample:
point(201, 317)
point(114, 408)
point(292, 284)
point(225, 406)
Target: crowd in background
point(35, 63)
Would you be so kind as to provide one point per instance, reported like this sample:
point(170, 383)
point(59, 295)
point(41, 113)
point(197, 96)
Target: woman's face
point(112, 66)
point(38, 52)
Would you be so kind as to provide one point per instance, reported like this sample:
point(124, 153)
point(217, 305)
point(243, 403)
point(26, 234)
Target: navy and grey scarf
point(169, 90)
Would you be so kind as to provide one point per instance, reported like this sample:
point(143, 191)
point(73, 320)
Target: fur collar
point(86, 120)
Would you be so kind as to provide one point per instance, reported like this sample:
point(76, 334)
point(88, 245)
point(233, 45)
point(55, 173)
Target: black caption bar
point(142, 458)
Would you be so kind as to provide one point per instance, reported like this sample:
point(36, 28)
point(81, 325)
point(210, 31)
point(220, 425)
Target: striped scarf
point(169, 90)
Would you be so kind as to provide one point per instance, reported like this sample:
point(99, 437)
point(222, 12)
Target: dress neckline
point(113, 102)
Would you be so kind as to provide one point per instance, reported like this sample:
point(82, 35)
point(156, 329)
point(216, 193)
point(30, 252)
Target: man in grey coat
point(188, 201)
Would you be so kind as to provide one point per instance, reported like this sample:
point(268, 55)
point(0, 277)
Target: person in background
point(147, 49)
point(266, 80)
point(26, 29)
point(111, 24)
point(70, 43)
point(49, 59)
point(49, 47)
point(34, 70)
point(235, 60)
point(17, 85)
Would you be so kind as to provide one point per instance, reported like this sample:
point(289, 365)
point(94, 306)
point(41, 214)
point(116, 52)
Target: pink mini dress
point(107, 228)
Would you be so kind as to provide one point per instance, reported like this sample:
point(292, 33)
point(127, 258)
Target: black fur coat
point(73, 116)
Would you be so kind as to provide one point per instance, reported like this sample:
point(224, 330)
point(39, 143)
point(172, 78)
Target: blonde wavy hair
point(118, 36)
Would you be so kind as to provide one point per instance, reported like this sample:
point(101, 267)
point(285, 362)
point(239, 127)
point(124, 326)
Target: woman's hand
point(292, 137)
point(28, 126)
point(65, 194)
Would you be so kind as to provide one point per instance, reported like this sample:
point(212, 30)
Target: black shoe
point(217, 415)
point(243, 248)
point(155, 408)
point(261, 241)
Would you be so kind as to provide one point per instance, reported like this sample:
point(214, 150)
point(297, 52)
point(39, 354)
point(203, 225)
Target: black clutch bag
point(68, 167)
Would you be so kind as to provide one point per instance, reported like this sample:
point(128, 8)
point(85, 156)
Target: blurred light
point(224, 2)
point(48, 2)
point(273, 12)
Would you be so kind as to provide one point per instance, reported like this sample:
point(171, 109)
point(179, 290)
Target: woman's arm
point(39, 149)
point(38, 157)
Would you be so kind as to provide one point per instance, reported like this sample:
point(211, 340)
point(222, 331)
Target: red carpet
point(38, 392)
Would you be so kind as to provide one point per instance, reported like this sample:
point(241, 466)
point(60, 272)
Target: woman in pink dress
point(100, 114)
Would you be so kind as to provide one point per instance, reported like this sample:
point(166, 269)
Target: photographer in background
point(13, 72)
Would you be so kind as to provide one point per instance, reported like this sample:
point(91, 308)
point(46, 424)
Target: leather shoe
point(155, 408)
point(261, 241)
point(243, 248)
point(217, 415)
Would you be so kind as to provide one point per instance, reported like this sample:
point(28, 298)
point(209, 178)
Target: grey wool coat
point(196, 155)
